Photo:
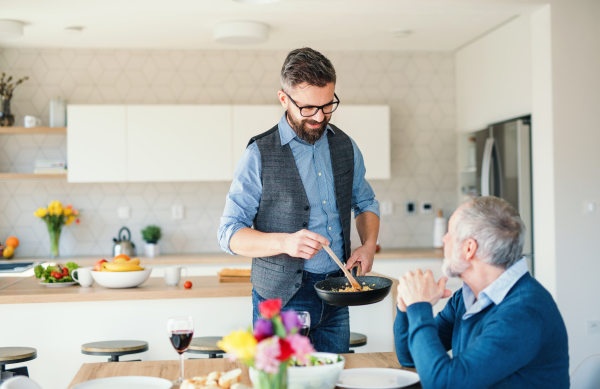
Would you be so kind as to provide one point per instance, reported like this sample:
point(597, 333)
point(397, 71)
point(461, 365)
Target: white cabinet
point(96, 143)
point(251, 120)
point(369, 126)
point(179, 143)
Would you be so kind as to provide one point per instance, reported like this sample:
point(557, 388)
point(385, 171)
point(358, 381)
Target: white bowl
point(311, 377)
point(120, 280)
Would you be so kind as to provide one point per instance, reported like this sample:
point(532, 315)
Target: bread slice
point(230, 378)
point(239, 386)
point(193, 383)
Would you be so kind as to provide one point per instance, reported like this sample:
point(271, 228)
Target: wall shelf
point(31, 176)
point(33, 130)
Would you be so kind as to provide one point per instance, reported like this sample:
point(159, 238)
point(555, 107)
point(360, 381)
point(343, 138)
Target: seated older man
point(503, 327)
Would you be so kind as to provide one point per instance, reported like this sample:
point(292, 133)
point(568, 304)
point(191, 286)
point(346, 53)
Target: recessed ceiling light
point(401, 33)
point(256, 1)
point(74, 30)
point(11, 29)
point(241, 32)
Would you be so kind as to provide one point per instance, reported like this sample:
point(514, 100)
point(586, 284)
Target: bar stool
point(12, 355)
point(357, 340)
point(206, 345)
point(115, 348)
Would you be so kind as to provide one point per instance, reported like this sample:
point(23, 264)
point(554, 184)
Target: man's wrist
point(370, 245)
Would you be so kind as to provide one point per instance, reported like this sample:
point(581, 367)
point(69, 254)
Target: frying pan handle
point(356, 269)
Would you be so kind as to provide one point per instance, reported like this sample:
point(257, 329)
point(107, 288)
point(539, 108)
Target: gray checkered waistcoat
point(284, 207)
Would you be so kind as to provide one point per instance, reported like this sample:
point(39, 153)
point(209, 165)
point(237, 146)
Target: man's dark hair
point(306, 65)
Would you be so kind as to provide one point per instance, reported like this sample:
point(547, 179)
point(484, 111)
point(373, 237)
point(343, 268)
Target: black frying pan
point(381, 289)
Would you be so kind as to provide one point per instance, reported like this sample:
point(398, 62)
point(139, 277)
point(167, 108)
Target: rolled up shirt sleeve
point(243, 198)
point(363, 197)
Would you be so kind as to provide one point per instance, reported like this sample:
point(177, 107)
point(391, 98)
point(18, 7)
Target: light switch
point(426, 207)
point(177, 212)
point(411, 208)
point(387, 208)
point(124, 212)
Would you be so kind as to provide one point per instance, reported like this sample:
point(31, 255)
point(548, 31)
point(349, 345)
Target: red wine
point(181, 340)
point(304, 330)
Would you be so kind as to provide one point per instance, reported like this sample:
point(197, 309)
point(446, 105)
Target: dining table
point(202, 367)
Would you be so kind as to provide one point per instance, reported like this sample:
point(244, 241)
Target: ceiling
point(322, 24)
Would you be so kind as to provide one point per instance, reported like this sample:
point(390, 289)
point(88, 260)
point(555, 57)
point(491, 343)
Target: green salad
point(55, 273)
point(314, 361)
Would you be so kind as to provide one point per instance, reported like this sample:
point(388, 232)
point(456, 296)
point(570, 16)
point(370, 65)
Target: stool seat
point(10, 355)
point(205, 345)
point(114, 348)
point(357, 339)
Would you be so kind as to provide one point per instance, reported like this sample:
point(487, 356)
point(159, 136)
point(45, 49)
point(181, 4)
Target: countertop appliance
point(497, 162)
point(123, 244)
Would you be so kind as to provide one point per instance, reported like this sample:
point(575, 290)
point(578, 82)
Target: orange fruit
point(125, 257)
point(12, 241)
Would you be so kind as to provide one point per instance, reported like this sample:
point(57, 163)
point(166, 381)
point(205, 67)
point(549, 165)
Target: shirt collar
point(497, 290)
point(287, 133)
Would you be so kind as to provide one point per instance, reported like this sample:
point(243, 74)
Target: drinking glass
point(181, 331)
point(304, 317)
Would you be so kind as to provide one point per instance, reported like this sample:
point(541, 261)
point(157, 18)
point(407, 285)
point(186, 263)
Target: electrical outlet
point(177, 212)
point(124, 212)
point(426, 207)
point(593, 326)
point(387, 208)
point(411, 208)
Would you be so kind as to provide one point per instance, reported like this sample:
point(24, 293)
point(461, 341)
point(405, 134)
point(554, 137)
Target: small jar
point(58, 112)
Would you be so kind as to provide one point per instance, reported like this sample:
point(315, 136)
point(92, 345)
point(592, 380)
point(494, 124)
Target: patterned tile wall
point(418, 86)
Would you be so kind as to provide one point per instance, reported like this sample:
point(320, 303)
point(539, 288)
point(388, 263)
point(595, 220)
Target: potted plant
point(151, 234)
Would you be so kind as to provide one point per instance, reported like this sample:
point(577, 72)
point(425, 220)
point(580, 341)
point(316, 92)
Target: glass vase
point(54, 241)
point(6, 118)
point(262, 380)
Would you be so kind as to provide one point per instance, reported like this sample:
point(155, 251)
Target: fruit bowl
point(311, 377)
point(121, 280)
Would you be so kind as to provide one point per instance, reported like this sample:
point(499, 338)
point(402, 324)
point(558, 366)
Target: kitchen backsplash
point(419, 87)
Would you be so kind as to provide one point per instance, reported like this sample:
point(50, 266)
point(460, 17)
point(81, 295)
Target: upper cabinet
point(97, 143)
point(151, 143)
point(369, 126)
point(179, 143)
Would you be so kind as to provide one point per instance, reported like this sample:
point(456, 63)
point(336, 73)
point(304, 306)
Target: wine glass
point(304, 317)
point(181, 331)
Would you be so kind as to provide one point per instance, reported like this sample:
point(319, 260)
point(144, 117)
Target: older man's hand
point(419, 287)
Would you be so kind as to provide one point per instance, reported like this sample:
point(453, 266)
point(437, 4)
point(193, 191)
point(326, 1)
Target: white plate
point(373, 378)
point(129, 382)
point(58, 284)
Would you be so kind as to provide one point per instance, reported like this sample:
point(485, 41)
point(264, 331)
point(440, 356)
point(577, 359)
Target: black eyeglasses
point(310, 110)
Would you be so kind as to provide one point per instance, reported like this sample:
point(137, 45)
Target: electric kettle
point(123, 245)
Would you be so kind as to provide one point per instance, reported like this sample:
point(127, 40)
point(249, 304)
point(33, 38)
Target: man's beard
point(309, 135)
point(455, 265)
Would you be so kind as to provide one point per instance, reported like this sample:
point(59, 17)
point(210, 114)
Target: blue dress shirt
point(314, 166)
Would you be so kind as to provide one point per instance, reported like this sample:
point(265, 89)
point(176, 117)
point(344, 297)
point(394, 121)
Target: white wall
point(493, 77)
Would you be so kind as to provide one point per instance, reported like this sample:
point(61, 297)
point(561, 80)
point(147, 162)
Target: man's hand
point(303, 244)
point(419, 287)
point(364, 255)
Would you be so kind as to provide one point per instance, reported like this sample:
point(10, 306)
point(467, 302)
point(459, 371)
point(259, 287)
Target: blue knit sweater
point(520, 343)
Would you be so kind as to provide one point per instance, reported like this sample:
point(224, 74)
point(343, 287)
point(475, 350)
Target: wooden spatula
point(353, 281)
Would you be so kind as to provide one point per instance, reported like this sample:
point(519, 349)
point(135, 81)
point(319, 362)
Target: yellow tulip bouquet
point(55, 217)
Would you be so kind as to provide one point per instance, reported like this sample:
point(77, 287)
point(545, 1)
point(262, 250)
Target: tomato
point(65, 272)
point(56, 275)
point(187, 285)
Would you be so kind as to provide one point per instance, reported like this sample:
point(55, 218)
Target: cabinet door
point(179, 143)
point(251, 120)
point(369, 126)
point(96, 143)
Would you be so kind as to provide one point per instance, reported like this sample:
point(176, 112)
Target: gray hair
point(496, 227)
point(306, 65)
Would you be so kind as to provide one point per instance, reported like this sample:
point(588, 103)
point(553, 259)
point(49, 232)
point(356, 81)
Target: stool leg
point(113, 358)
point(20, 371)
point(211, 356)
point(2, 368)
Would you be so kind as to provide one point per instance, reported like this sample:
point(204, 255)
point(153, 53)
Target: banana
point(134, 261)
point(119, 260)
point(120, 266)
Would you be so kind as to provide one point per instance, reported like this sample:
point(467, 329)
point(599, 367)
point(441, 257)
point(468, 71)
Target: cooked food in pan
point(350, 288)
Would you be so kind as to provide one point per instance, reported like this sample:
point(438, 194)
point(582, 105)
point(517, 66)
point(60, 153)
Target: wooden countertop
point(30, 291)
point(202, 367)
point(217, 258)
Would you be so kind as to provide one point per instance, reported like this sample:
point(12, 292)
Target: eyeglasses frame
point(314, 106)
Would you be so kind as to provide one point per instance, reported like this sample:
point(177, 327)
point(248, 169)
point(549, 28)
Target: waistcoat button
point(306, 208)
point(298, 271)
point(305, 224)
point(297, 285)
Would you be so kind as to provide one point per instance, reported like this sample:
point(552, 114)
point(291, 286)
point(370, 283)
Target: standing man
point(296, 185)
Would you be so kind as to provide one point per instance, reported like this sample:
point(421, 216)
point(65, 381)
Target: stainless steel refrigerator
point(497, 162)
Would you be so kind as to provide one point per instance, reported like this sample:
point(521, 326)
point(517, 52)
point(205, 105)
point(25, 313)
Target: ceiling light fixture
point(241, 33)
point(256, 1)
point(402, 33)
point(74, 30)
point(11, 29)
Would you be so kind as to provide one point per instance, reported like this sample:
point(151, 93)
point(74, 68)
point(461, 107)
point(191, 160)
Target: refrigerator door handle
point(485, 166)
